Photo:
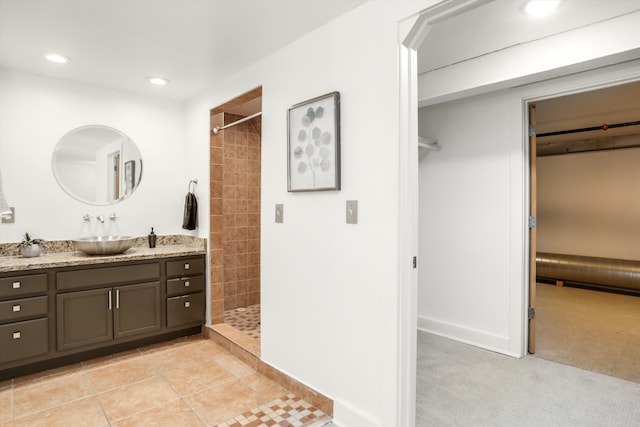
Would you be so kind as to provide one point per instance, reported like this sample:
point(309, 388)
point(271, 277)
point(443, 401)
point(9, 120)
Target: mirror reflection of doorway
point(114, 176)
point(588, 256)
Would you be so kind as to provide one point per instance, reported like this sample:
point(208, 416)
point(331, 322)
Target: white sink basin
point(104, 245)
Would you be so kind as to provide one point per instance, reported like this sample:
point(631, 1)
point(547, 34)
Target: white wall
point(329, 290)
point(35, 112)
point(466, 214)
point(589, 204)
point(473, 207)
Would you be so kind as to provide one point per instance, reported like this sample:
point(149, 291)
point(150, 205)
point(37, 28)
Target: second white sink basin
point(104, 245)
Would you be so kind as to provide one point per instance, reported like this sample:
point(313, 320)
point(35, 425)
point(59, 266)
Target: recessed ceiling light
point(158, 81)
point(541, 7)
point(60, 59)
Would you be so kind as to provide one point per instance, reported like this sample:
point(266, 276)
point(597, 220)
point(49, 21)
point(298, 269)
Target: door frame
point(411, 33)
point(533, 212)
point(594, 79)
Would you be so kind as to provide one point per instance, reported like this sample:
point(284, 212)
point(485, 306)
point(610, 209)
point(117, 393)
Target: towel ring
point(194, 182)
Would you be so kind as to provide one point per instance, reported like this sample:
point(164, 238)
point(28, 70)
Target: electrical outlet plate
point(352, 211)
point(279, 213)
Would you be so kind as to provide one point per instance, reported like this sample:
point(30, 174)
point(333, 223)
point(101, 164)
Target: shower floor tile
point(245, 319)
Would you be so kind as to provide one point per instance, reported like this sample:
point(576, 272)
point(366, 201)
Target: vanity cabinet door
point(84, 318)
point(137, 309)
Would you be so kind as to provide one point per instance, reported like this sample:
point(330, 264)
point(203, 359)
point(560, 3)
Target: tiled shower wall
point(235, 215)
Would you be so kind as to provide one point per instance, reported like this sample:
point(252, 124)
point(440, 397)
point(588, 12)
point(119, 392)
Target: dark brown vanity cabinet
point(24, 321)
point(54, 316)
point(185, 292)
point(108, 313)
point(94, 316)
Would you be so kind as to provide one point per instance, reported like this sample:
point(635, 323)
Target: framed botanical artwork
point(314, 144)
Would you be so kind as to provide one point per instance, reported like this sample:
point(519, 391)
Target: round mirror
point(97, 164)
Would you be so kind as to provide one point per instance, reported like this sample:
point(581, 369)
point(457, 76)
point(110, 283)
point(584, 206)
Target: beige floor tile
point(111, 358)
point(234, 366)
point(250, 344)
point(183, 357)
point(126, 401)
point(204, 347)
point(263, 385)
point(46, 393)
point(171, 415)
point(118, 373)
point(85, 412)
point(218, 404)
point(5, 403)
point(164, 346)
point(49, 374)
point(193, 379)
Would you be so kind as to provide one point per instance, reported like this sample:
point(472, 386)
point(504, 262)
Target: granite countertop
point(61, 254)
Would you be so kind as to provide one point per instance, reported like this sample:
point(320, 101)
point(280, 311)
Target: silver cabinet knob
point(16, 308)
point(186, 265)
point(187, 304)
point(16, 285)
point(186, 284)
point(16, 335)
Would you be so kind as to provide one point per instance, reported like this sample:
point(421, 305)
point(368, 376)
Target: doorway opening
point(586, 285)
point(235, 156)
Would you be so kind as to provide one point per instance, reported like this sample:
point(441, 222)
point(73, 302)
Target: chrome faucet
point(100, 218)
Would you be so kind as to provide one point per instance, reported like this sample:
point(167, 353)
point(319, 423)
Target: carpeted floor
point(462, 385)
point(592, 330)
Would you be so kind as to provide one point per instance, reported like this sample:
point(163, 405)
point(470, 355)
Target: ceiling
point(499, 24)
point(119, 43)
point(197, 43)
point(611, 106)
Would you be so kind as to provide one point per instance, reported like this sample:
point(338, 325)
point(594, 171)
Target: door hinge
point(532, 130)
point(532, 313)
point(415, 261)
point(532, 222)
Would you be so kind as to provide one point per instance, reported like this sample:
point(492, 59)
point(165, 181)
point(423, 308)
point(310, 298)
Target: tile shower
point(235, 156)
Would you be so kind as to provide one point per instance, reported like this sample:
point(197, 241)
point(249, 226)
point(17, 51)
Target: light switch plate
point(352, 211)
point(279, 213)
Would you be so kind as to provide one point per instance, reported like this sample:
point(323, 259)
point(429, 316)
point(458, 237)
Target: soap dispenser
point(152, 239)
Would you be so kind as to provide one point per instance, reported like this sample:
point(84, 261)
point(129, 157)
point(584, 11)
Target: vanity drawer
point(185, 285)
point(22, 340)
point(18, 286)
point(93, 277)
point(185, 310)
point(185, 267)
point(18, 309)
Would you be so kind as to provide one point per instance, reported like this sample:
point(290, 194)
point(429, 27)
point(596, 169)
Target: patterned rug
point(245, 319)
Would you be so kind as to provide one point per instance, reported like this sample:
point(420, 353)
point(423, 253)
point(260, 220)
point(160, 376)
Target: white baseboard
point(482, 339)
point(345, 415)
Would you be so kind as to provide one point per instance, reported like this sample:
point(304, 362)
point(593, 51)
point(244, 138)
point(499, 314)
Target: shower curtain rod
point(217, 129)
point(602, 127)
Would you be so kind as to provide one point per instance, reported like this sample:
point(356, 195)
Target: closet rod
point(217, 129)
point(602, 127)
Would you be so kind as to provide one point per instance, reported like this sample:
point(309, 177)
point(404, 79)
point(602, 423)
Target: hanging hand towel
point(190, 216)
point(4, 206)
